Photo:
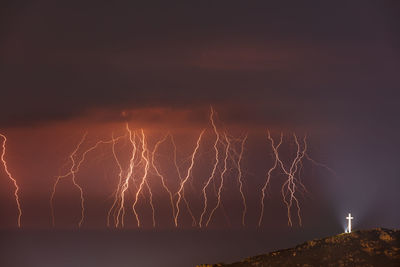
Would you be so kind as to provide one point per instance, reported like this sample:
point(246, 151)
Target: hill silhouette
point(376, 247)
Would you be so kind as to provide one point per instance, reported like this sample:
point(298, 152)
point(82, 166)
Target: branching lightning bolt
point(71, 172)
point(13, 180)
point(144, 179)
point(189, 172)
point(121, 211)
point(119, 183)
point(222, 179)
point(75, 166)
point(240, 176)
point(180, 182)
point(216, 161)
point(275, 165)
point(160, 175)
point(319, 164)
point(137, 176)
point(289, 186)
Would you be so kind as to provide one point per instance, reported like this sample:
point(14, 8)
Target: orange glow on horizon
point(146, 184)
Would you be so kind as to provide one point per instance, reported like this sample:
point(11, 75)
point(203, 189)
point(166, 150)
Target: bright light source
point(349, 218)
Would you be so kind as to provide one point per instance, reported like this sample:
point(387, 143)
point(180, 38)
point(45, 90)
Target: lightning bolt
point(143, 180)
point(160, 175)
point(151, 203)
point(222, 179)
point(240, 176)
point(293, 183)
point(13, 180)
point(289, 186)
point(216, 161)
point(319, 164)
point(134, 176)
point(189, 172)
point(236, 159)
point(116, 192)
point(75, 166)
point(180, 182)
point(58, 178)
point(268, 178)
point(121, 211)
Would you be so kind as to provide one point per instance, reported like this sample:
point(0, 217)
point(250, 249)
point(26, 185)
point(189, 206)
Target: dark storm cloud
point(299, 63)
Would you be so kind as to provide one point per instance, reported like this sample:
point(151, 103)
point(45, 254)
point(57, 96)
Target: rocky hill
point(377, 247)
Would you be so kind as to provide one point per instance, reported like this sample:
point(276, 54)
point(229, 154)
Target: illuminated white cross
point(349, 223)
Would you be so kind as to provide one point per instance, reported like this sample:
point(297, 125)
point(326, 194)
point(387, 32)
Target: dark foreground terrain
point(377, 247)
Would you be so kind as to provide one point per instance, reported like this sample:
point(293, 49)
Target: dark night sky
point(328, 68)
point(312, 63)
